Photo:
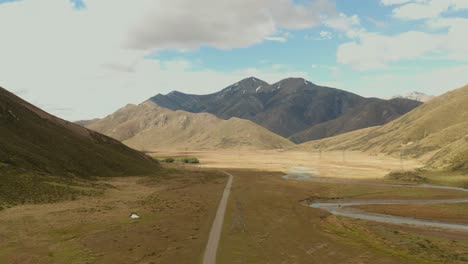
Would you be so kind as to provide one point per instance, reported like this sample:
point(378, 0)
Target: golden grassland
point(176, 209)
point(336, 164)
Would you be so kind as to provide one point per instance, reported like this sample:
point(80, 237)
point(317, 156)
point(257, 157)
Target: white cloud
point(322, 35)
point(92, 60)
point(325, 34)
point(377, 23)
point(368, 51)
point(222, 24)
point(422, 10)
point(343, 23)
point(277, 39)
point(374, 50)
point(456, 42)
point(426, 9)
point(433, 82)
point(281, 37)
point(394, 2)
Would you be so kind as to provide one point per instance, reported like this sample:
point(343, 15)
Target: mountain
point(436, 131)
point(290, 108)
point(416, 96)
point(148, 126)
point(85, 122)
point(33, 140)
point(372, 113)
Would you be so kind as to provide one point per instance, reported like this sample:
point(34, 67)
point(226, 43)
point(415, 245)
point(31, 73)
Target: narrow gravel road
point(216, 228)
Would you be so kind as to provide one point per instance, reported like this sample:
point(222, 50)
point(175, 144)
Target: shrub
point(169, 160)
point(191, 160)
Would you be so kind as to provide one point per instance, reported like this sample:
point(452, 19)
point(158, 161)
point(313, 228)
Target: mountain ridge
point(288, 107)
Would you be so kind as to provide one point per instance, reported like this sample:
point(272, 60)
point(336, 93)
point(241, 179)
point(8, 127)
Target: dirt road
point(215, 233)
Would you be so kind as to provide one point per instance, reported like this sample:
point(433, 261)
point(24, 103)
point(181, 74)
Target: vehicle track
point(216, 229)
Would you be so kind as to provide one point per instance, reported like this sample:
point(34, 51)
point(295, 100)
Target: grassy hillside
point(31, 140)
point(437, 130)
point(150, 127)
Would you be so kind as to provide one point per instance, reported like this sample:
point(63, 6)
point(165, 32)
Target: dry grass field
point(336, 164)
point(176, 212)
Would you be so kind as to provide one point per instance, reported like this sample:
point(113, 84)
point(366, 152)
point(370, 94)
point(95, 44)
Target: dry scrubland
point(176, 211)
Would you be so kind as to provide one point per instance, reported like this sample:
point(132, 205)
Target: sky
point(83, 59)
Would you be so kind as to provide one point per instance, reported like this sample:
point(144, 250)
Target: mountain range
point(35, 141)
point(436, 132)
point(293, 108)
point(149, 127)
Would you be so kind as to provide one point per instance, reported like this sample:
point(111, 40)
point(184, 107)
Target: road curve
point(215, 234)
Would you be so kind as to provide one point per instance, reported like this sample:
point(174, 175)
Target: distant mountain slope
point(287, 108)
point(33, 140)
point(85, 122)
point(371, 113)
point(150, 127)
point(437, 130)
point(417, 96)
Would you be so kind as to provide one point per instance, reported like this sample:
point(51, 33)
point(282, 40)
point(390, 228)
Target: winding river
point(347, 207)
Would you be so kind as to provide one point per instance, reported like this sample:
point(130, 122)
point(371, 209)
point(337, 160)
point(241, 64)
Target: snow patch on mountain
point(417, 96)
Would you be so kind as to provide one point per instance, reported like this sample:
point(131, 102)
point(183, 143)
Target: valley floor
point(267, 219)
point(336, 164)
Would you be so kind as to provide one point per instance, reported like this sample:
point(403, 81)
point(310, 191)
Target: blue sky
point(135, 49)
point(305, 51)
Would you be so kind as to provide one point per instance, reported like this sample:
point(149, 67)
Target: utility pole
point(402, 151)
point(401, 160)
